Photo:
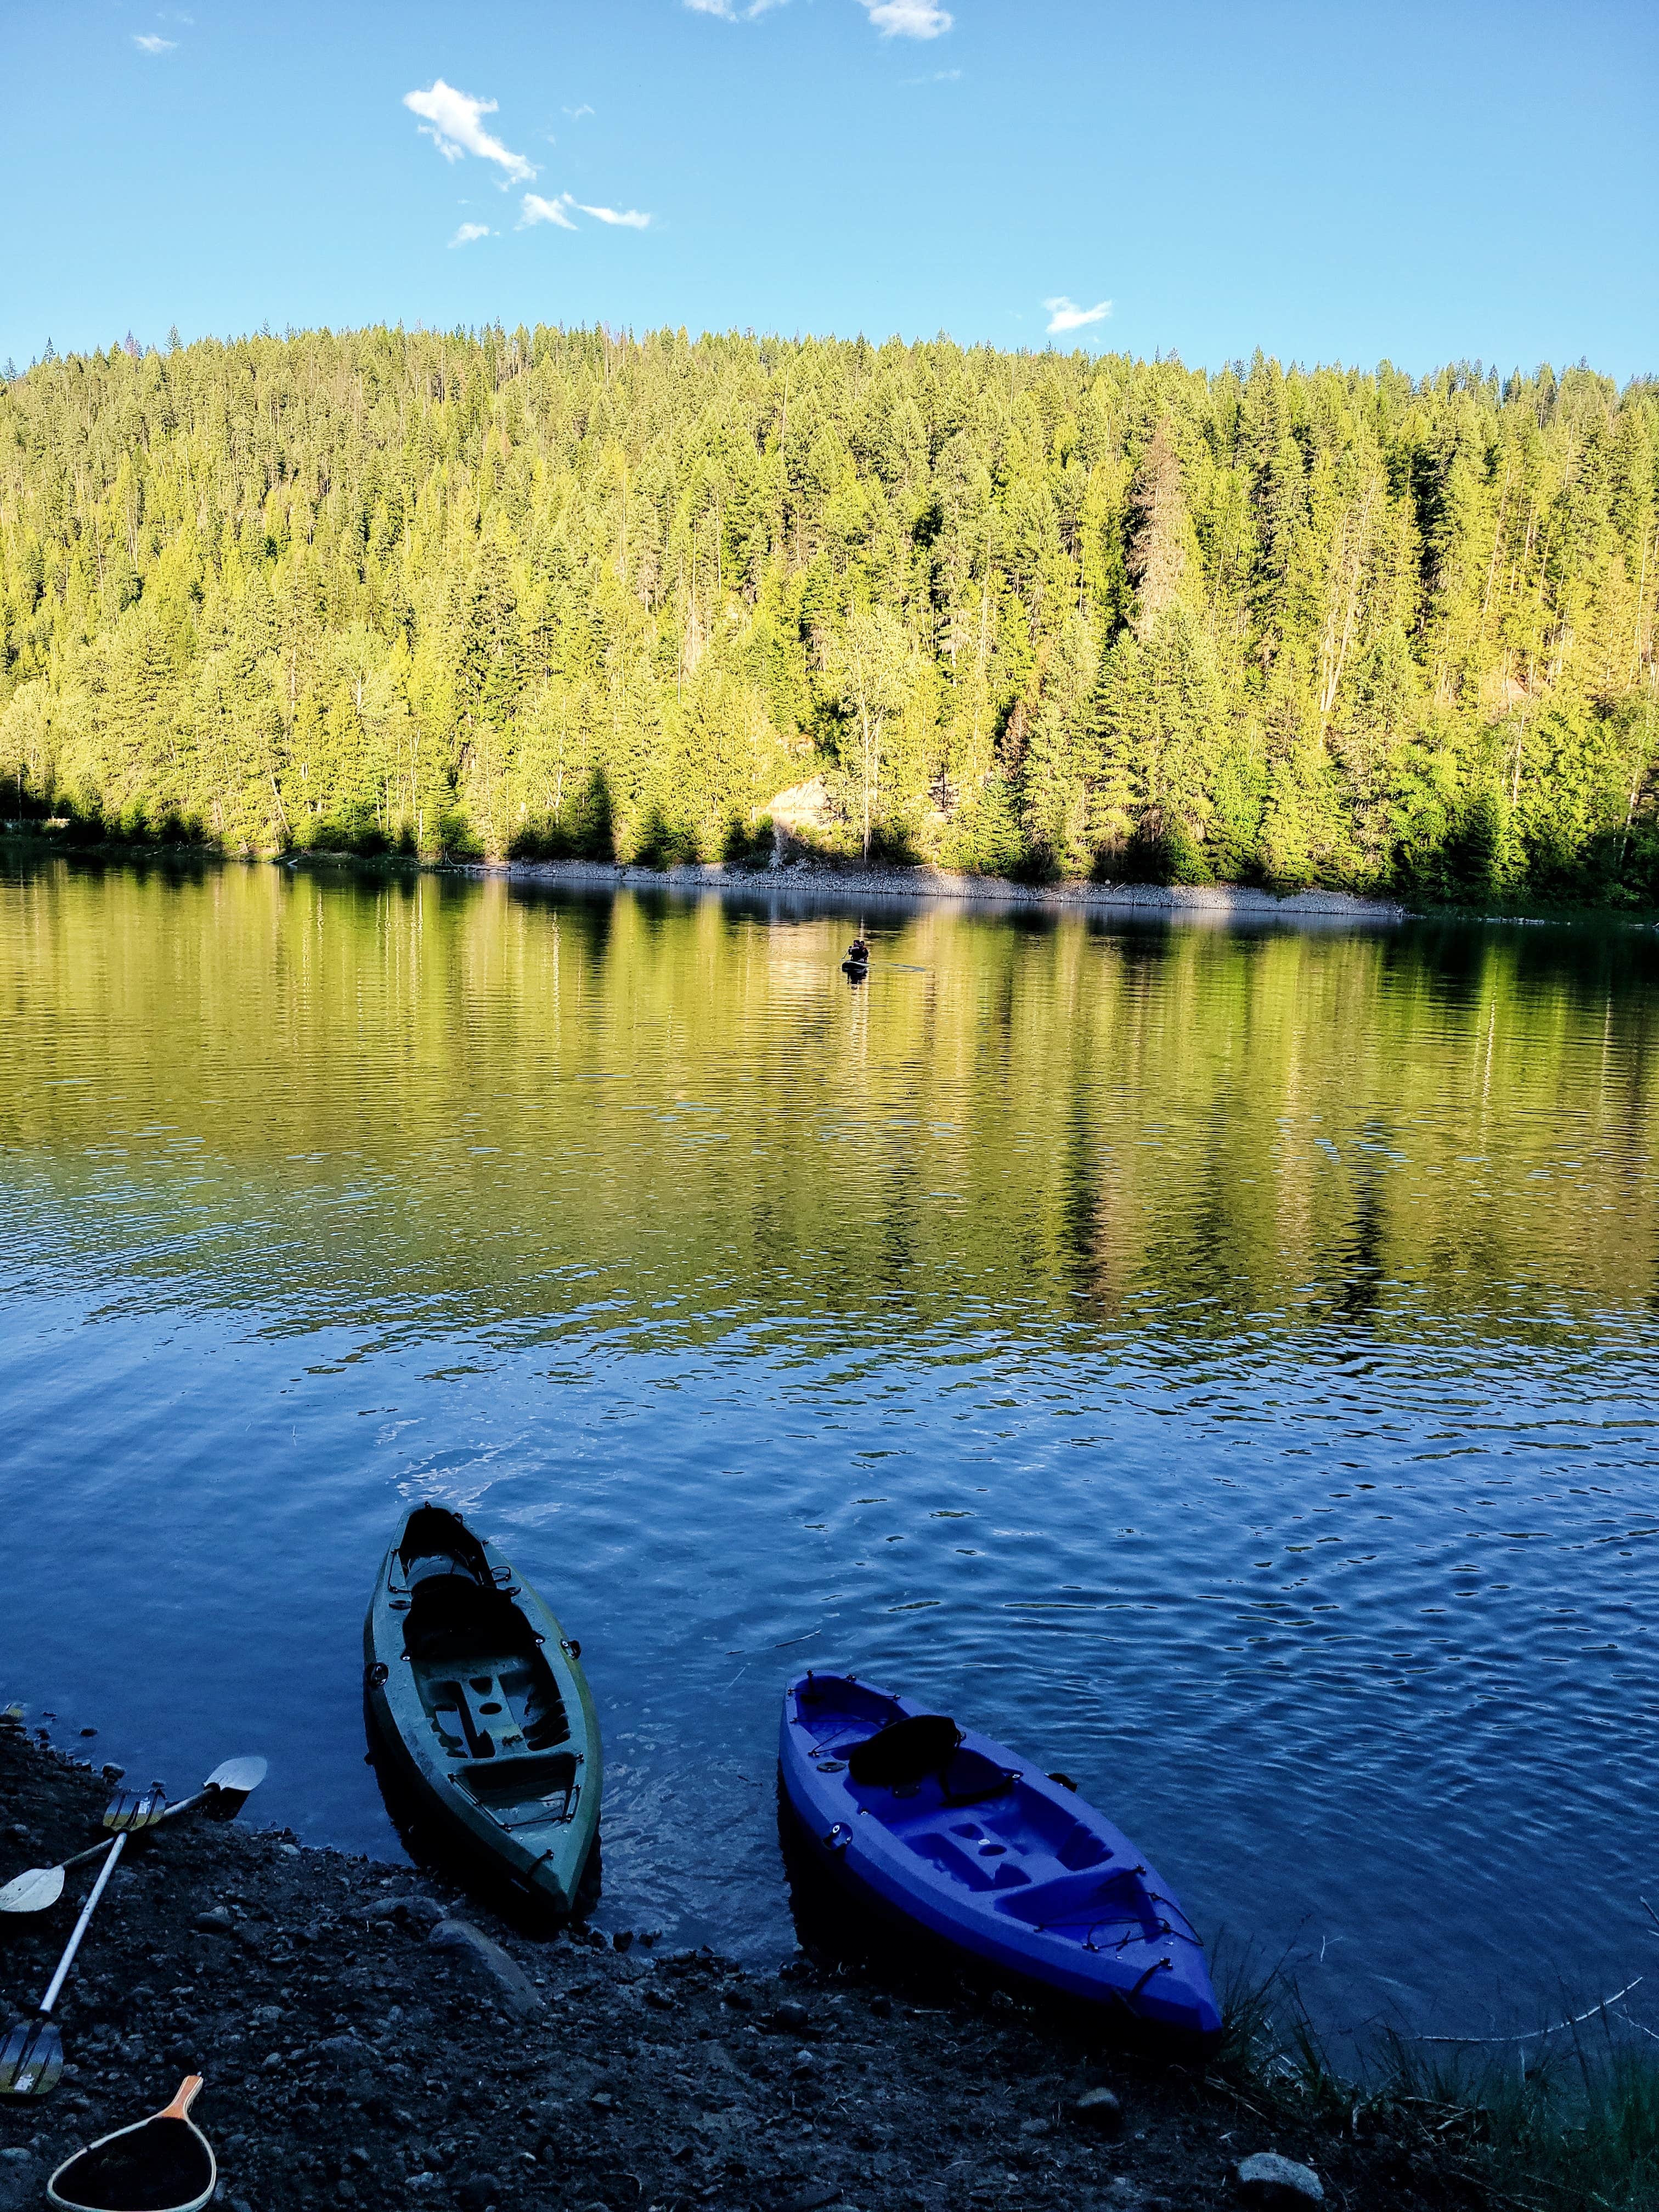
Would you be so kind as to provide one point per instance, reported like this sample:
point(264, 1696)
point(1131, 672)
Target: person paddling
point(858, 952)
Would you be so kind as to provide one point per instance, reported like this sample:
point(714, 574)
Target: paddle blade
point(225, 1791)
point(31, 2059)
point(129, 1809)
point(33, 1892)
point(237, 1776)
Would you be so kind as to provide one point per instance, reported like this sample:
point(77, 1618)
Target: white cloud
point(148, 43)
point(629, 218)
point(577, 113)
point(537, 209)
point(908, 19)
point(453, 125)
point(468, 232)
point(729, 13)
point(1065, 314)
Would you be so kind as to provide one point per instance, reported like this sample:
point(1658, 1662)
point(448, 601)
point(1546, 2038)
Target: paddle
point(32, 2055)
point(41, 1886)
point(163, 2164)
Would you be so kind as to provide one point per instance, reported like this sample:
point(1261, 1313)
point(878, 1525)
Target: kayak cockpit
point(491, 1699)
point(974, 1822)
point(520, 1793)
point(494, 1709)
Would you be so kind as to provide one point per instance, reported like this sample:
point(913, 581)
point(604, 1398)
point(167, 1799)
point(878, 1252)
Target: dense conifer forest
point(558, 592)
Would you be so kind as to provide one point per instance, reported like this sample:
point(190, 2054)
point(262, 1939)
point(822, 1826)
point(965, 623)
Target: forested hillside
point(550, 592)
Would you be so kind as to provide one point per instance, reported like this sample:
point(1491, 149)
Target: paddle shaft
point(87, 1911)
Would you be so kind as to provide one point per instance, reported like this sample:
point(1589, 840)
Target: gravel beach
point(370, 2037)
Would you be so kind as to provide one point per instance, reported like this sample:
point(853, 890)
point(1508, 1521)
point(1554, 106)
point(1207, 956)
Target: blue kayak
point(960, 1837)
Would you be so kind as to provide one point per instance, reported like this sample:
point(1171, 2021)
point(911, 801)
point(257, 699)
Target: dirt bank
point(353, 2060)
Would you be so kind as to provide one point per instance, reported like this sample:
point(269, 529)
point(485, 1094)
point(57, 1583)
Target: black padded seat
point(453, 1619)
point(904, 1752)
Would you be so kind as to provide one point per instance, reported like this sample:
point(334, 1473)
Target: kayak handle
point(838, 1838)
point(375, 1673)
point(571, 1646)
point(1157, 1967)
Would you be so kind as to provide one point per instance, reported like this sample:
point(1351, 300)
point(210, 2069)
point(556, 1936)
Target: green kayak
point(476, 1692)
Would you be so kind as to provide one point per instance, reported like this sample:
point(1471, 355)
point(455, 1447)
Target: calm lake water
point(1224, 1364)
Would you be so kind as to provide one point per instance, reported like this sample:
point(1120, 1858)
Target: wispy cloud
point(537, 209)
point(1065, 314)
point(908, 19)
point(936, 76)
point(577, 113)
point(734, 11)
point(148, 43)
point(453, 124)
point(628, 218)
point(468, 232)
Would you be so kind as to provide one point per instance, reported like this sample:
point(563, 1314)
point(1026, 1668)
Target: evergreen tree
point(553, 592)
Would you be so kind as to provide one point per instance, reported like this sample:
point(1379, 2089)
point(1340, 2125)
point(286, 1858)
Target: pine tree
point(558, 591)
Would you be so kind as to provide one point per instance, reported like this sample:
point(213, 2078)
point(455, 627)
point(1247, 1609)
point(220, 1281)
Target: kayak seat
point(905, 1752)
point(1114, 1895)
point(927, 1746)
point(451, 1618)
point(520, 1793)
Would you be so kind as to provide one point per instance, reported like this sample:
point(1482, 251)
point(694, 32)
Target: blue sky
point(1332, 182)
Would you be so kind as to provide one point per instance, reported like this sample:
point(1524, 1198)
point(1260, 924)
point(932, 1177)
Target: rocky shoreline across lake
point(371, 2038)
point(922, 886)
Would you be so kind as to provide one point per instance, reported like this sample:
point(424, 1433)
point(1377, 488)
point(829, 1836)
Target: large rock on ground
point(1269, 2179)
point(1100, 2109)
point(22, 2179)
point(517, 1990)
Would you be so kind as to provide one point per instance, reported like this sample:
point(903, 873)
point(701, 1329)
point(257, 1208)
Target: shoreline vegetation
point(360, 2050)
point(559, 595)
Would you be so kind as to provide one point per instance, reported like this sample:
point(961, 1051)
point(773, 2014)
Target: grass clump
point(1565, 2119)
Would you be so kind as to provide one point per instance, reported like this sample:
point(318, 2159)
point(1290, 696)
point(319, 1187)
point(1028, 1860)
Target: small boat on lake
point(958, 1838)
point(477, 1697)
point(857, 962)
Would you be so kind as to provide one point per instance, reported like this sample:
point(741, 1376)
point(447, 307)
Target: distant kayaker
point(858, 952)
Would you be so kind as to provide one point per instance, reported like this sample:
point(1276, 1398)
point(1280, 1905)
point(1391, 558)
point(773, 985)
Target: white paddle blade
point(33, 1892)
point(237, 1775)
